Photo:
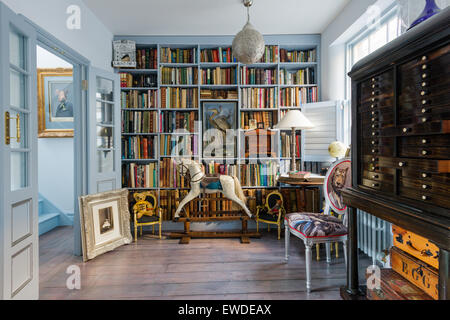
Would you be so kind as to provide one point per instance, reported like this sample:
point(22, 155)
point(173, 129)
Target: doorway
point(55, 99)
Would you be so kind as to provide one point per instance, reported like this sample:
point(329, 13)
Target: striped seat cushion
point(315, 225)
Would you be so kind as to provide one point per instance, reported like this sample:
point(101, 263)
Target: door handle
point(7, 128)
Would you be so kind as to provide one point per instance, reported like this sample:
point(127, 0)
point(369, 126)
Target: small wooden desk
point(303, 184)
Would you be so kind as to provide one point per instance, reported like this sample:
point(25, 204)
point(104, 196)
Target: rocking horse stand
point(229, 187)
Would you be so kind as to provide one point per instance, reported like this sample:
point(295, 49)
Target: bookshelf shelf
point(156, 68)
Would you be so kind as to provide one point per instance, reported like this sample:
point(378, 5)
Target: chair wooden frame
point(309, 242)
point(157, 210)
point(281, 213)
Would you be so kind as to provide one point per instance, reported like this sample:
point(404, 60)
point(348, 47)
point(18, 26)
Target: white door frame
point(81, 66)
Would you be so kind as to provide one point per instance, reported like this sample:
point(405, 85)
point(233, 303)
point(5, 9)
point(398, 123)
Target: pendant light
point(248, 45)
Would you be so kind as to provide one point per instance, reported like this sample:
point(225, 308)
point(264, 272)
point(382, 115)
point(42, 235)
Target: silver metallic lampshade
point(248, 45)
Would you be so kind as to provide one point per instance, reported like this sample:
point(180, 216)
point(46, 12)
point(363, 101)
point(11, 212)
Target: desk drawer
point(383, 186)
point(427, 147)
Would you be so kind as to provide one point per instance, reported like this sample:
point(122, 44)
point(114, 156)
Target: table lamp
point(294, 120)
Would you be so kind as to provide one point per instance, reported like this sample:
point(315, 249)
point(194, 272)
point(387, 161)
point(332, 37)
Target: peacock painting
point(218, 119)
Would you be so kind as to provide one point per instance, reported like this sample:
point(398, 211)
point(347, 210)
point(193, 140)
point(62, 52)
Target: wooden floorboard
point(205, 269)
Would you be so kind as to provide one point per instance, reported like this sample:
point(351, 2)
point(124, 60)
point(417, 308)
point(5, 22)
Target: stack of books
point(179, 76)
point(139, 176)
point(264, 118)
point(139, 121)
point(259, 98)
point(258, 76)
point(270, 55)
point(295, 97)
point(147, 58)
point(298, 55)
point(171, 121)
point(139, 99)
point(299, 77)
point(127, 80)
point(178, 145)
point(137, 147)
point(218, 76)
point(219, 55)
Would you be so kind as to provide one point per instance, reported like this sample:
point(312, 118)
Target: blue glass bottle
point(430, 10)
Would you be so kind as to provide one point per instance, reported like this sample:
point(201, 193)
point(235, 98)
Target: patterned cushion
point(315, 225)
point(148, 219)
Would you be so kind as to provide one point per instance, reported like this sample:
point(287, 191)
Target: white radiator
point(374, 236)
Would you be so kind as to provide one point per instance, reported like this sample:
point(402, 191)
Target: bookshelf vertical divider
point(307, 42)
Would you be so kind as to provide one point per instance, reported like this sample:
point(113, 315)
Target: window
point(367, 41)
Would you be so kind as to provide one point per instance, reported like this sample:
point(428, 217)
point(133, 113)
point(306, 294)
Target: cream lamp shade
point(294, 119)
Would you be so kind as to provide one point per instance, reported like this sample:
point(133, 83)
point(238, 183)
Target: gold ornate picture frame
point(105, 222)
point(55, 103)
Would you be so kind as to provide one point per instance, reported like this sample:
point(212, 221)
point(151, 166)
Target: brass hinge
point(84, 85)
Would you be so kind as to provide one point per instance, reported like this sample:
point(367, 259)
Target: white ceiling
point(214, 17)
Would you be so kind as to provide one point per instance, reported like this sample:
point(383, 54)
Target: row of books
point(254, 76)
point(139, 99)
point(299, 77)
point(179, 76)
point(169, 55)
point(220, 168)
point(128, 80)
point(171, 121)
point(178, 145)
point(298, 55)
point(295, 97)
point(215, 94)
point(138, 147)
point(139, 176)
point(259, 98)
point(219, 76)
point(270, 55)
point(285, 145)
point(147, 58)
point(295, 200)
point(259, 175)
point(169, 175)
point(139, 121)
point(266, 118)
point(176, 98)
point(217, 55)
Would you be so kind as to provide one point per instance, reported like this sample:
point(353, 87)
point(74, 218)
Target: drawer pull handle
point(424, 84)
point(374, 151)
point(424, 186)
point(424, 102)
point(425, 152)
point(424, 58)
point(424, 110)
point(374, 126)
point(424, 141)
point(402, 164)
point(424, 67)
point(423, 93)
point(372, 106)
point(425, 198)
point(375, 185)
point(424, 76)
point(406, 130)
point(375, 176)
point(424, 119)
point(374, 142)
point(425, 175)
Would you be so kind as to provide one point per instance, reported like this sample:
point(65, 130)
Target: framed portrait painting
point(55, 103)
point(219, 129)
point(105, 222)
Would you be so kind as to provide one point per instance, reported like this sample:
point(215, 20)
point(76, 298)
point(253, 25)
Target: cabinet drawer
point(429, 127)
point(425, 197)
point(425, 186)
point(425, 152)
point(427, 177)
point(375, 176)
point(416, 92)
point(378, 185)
point(427, 102)
point(379, 147)
point(381, 105)
point(427, 165)
point(438, 59)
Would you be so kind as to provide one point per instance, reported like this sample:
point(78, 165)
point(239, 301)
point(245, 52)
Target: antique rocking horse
point(229, 186)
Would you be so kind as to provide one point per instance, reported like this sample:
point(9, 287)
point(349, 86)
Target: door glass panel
point(18, 129)
point(105, 137)
point(105, 161)
point(17, 50)
point(105, 112)
point(17, 89)
point(19, 174)
point(105, 89)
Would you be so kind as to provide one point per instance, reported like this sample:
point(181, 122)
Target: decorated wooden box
point(395, 287)
point(417, 246)
point(418, 273)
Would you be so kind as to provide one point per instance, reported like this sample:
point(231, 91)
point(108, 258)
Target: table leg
point(444, 266)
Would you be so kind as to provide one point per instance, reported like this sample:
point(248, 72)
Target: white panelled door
point(19, 264)
point(104, 168)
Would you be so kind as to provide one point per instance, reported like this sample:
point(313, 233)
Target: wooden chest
point(416, 246)
point(415, 271)
point(395, 287)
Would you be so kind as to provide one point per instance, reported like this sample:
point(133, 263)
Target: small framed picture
point(105, 222)
point(253, 124)
point(55, 103)
point(260, 125)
